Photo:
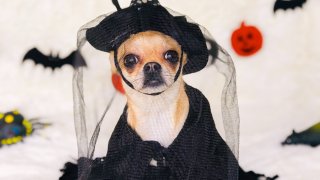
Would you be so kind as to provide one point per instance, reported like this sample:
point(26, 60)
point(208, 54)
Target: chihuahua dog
point(171, 132)
point(150, 61)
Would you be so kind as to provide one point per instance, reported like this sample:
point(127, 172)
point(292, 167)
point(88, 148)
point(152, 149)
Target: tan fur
point(143, 45)
point(159, 118)
point(111, 59)
point(132, 121)
point(181, 106)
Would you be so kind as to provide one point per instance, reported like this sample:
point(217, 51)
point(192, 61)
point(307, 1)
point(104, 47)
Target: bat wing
point(35, 55)
point(39, 58)
point(75, 59)
point(285, 4)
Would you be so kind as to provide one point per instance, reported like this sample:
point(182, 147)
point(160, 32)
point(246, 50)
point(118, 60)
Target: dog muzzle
point(150, 81)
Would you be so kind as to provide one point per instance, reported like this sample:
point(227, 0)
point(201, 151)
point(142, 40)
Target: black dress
point(198, 152)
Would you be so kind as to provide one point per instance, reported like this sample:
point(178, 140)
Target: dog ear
point(111, 59)
point(185, 58)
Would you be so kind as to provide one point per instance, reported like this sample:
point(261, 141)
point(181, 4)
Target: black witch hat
point(146, 15)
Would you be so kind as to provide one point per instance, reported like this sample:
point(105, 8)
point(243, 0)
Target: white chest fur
point(159, 118)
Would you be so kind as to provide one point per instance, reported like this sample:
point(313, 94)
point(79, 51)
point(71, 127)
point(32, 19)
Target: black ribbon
point(116, 4)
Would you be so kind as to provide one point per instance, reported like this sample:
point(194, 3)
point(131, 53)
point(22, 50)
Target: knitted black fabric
point(70, 172)
point(198, 152)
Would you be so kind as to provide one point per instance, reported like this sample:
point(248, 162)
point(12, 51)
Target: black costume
point(198, 152)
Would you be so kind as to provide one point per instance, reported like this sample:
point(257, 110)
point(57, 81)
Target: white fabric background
point(278, 88)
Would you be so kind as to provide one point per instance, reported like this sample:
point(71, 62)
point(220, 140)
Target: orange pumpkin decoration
point(117, 82)
point(247, 40)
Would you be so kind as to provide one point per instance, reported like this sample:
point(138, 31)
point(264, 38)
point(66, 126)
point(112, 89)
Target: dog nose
point(152, 67)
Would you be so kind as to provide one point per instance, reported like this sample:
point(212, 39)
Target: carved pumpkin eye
point(171, 56)
point(240, 38)
point(130, 60)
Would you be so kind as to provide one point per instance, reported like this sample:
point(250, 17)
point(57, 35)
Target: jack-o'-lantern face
point(247, 40)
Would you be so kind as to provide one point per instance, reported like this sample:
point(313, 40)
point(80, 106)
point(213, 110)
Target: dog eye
point(171, 56)
point(130, 60)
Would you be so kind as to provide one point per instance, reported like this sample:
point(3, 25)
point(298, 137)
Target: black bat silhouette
point(213, 50)
point(70, 172)
point(75, 59)
point(310, 136)
point(288, 4)
point(253, 176)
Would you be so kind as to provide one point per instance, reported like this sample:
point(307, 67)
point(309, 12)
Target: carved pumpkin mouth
point(248, 50)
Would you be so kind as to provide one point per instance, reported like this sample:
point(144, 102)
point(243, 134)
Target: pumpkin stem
point(243, 24)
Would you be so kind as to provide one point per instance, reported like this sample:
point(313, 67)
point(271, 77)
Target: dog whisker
point(137, 79)
point(165, 83)
point(167, 75)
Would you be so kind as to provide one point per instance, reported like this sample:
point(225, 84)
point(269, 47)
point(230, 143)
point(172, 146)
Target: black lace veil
point(97, 105)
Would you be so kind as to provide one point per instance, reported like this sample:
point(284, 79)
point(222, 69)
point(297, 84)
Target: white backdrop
point(278, 88)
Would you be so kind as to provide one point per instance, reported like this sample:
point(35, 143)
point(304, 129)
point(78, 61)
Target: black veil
point(98, 106)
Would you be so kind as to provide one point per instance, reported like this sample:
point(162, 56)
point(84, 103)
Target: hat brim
point(112, 31)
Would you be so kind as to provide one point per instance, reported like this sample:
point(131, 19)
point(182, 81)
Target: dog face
point(150, 61)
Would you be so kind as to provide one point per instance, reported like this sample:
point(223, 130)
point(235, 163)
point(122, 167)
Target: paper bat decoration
point(70, 172)
point(213, 50)
point(75, 59)
point(253, 176)
point(310, 136)
point(288, 4)
point(14, 127)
